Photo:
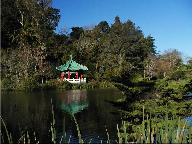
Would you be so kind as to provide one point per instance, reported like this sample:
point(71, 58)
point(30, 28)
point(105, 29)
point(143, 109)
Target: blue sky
point(168, 21)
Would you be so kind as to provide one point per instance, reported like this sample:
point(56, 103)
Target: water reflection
point(26, 112)
point(93, 113)
point(69, 103)
point(32, 112)
point(73, 101)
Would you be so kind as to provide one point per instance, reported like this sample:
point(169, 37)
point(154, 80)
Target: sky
point(168, 21)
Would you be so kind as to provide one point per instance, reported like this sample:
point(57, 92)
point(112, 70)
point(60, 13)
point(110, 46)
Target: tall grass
point(78, 130)
point(25, 138)
point(53, 130)
point(153, 131)
point(8, 135)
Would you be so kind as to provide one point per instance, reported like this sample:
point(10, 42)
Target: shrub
point(7, 84)
point(29, 83)
point(177, 75)
point(106, 84)
point(64, 85)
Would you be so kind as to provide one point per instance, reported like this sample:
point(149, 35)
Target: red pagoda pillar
point(77, 75)
point(62, 76)
point(69, 75)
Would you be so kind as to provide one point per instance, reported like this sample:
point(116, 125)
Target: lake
point(95, 114)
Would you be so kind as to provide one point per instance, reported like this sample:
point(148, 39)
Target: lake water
point(32, 112)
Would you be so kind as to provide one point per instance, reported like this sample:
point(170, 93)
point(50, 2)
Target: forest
point(117, 55)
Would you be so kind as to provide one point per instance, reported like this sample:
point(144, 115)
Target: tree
point(36, 21)
point(163, 65)
point(76, 32)
point(9, 22)
point(189, 61)
point(114, 52)
point(103, 27)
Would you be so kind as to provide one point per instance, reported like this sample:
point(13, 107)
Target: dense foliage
point(25, 31)
point(31, 49)
point(168, 97)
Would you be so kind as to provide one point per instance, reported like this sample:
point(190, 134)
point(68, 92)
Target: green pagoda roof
point(72, 65)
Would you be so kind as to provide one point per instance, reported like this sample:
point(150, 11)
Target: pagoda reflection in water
point(73, 101)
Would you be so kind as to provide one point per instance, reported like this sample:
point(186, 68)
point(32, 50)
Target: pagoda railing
point(75, 81)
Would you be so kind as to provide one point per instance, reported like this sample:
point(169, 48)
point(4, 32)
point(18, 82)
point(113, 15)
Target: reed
point(25, 137)
point(154, 131)
point(78, 130)
point(53, 130)
point(119, 135)
point(151, 130)
point(108, 139)
point(36, 141)
point(9, 137)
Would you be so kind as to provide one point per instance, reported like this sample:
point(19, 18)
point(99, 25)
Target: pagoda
point(72, 72)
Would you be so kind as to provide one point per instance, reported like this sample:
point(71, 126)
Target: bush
point(64, 85)
point(30, 83)
point(7, 84)
point(177, 75)
point(51, 84)
point(136, 78)
point(106, 84)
